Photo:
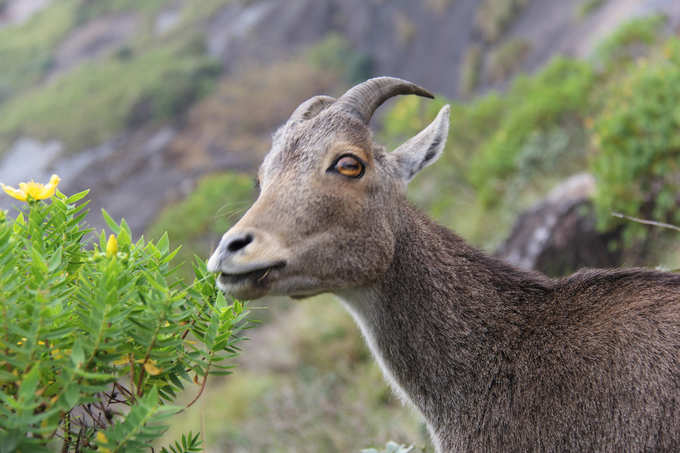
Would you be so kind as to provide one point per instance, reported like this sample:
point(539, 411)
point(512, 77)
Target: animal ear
point(425, 148)
point(310, 108)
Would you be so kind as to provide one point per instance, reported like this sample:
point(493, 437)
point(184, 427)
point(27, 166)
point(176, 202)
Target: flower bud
point(111, 246)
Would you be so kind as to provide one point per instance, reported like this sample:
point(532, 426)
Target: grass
point(151, 79)
point(98, 99)
point(26, 50)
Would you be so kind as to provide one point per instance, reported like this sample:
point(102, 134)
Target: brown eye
point(349, 166)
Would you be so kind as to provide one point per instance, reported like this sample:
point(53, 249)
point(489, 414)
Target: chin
point(253, 288)
point(243, 289)
point(244, 293)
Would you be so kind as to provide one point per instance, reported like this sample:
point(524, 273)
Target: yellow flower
point(111, 246)
point(122, 361)
point(151, 368)
point(102, 439)
point(32, 189)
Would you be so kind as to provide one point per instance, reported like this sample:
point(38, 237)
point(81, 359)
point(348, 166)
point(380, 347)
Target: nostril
point(239, 243)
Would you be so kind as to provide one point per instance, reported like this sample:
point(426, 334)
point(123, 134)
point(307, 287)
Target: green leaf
point(113, 226)
point(124, 239)
point(39, 263)
point(77, 353)
point(72, 395)
point(77, 197)
point(95, 376)
point(29, 384)
point(163, 243)
point(124, 225)
point(55, 260)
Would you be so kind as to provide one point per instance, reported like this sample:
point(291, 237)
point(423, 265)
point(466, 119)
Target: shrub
point(637, 143)
point(556, 94)
point(630, 38)
point(96, 340)
point(507, 59)
point(493, 16)
point(500, 147)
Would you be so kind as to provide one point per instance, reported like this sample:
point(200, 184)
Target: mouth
point(256, 277)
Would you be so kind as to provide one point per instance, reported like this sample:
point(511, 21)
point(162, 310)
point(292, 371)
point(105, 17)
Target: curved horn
point(366, 97)
point(310, 108)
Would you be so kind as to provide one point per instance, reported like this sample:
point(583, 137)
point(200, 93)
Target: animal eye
point(349, 166)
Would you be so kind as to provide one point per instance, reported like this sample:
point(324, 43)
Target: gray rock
point(559, 235)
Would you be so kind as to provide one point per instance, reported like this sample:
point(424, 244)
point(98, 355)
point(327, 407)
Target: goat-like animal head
point(326, 217)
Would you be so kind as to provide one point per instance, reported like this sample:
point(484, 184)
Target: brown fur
point(499, 359)
point(493, 357)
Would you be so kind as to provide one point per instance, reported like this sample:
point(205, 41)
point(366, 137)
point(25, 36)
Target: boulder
point(558, 235)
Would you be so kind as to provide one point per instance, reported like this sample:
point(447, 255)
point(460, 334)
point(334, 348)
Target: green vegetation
point(26, 50)
point(631, 39)
point(507, 59)
point(149, 79)
point(305, 380)
point(336, 55)
point(308, 380)
point(637, 138)
point(157, 85)
point(92, 9)
point(556, 94)
point(470, 70)
point(98, 339)
point(588, 7)
point(200, 220)
point(506, 150)
point(494, 16)
point(497, 147)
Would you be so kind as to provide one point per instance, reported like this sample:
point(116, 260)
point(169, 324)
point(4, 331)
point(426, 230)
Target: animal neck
point(443, 319)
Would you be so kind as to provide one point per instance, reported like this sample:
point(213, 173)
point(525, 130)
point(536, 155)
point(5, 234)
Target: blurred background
point(564, 112)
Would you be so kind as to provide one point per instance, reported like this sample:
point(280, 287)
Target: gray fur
point(494, 358)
